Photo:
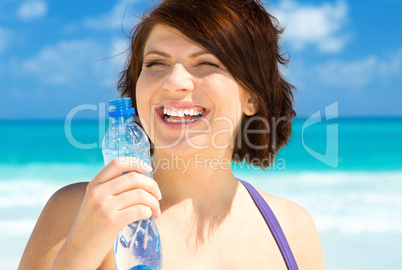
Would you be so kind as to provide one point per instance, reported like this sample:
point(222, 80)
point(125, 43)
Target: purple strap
point(273, 225)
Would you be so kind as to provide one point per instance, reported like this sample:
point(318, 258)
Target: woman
point(205, 81)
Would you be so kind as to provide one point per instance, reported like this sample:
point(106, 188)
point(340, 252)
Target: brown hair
point(244, 37)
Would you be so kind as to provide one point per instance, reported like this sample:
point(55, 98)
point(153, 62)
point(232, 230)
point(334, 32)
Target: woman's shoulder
point(299, 229)
point(286, 209)
point(73, 192)
point(68, 198)
point(65, 203)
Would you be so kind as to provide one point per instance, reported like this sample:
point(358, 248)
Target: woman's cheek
point(143, 108)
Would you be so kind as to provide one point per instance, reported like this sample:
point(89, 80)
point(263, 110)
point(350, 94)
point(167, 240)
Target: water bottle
point(138, 245)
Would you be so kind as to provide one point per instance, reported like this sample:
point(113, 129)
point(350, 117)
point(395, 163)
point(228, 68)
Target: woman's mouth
point(179, 116)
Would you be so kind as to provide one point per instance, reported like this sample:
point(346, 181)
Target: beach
point(353, 194)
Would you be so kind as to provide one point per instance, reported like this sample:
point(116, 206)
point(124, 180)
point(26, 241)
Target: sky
point(60, 58)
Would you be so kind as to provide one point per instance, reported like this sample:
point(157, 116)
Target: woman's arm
point(80, 223)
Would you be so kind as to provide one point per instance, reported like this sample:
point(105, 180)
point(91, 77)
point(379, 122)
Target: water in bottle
point(138, 244)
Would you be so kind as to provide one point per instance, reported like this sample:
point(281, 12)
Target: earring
point(251, 109)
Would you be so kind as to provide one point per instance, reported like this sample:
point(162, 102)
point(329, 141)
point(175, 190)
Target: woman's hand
point(112, 201)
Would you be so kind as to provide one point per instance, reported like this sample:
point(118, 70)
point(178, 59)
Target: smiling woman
point(205, 82)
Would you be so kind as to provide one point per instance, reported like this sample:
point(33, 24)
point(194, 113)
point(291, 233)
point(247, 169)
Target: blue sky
point(57, 55)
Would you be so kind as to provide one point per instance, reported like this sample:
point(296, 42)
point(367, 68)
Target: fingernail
point(159, 195)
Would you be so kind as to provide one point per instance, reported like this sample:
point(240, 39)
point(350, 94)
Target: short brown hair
point(244, 37)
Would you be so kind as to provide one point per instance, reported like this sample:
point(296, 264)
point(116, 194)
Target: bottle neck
point(120, 119)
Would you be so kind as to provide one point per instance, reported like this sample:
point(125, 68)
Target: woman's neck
point(204, 179)
point(198, 193)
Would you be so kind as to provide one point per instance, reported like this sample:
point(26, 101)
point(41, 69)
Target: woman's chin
point(179, 148)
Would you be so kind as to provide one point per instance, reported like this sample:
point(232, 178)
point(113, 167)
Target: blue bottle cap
point(121, 106)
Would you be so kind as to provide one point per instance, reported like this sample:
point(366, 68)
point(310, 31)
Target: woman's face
point(187, 100)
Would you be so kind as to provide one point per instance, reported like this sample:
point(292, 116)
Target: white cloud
point(353, 74)
point(31, 10)
point(68, 72)
point(359, 74)
point(67, 62)
point(5, 39)
point(314, 25)
point(115, 18)
point(350, 75)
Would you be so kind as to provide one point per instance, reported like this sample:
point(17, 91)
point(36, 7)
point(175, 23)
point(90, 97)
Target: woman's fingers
point(134, 198)
point(139, 211)
point(118, 166)
point(131, 181)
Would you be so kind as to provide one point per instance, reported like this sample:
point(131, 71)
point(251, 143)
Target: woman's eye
point(209, 64)
point(153, 63)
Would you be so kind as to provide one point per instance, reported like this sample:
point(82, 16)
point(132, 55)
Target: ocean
point(347, 172)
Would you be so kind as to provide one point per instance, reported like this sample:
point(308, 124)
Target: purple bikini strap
point(273, 225)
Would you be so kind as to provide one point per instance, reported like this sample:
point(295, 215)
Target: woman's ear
point(251, 107)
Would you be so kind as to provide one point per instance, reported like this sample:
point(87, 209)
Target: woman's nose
point(178, 80)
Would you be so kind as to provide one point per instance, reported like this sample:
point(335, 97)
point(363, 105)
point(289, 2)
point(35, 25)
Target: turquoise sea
point(347, 172)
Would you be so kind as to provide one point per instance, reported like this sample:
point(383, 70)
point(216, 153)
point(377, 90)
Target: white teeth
point(181, 113)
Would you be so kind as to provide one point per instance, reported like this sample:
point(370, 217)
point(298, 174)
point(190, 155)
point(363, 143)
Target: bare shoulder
point(53, 226)
point(300, 231)
point(64, 204)
point(73, 194)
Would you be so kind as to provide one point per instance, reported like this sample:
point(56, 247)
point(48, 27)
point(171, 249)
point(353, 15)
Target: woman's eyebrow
point(157, 53)
point(163, 54)
point(196, 54)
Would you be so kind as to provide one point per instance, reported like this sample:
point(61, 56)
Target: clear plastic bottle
point(138, 244)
